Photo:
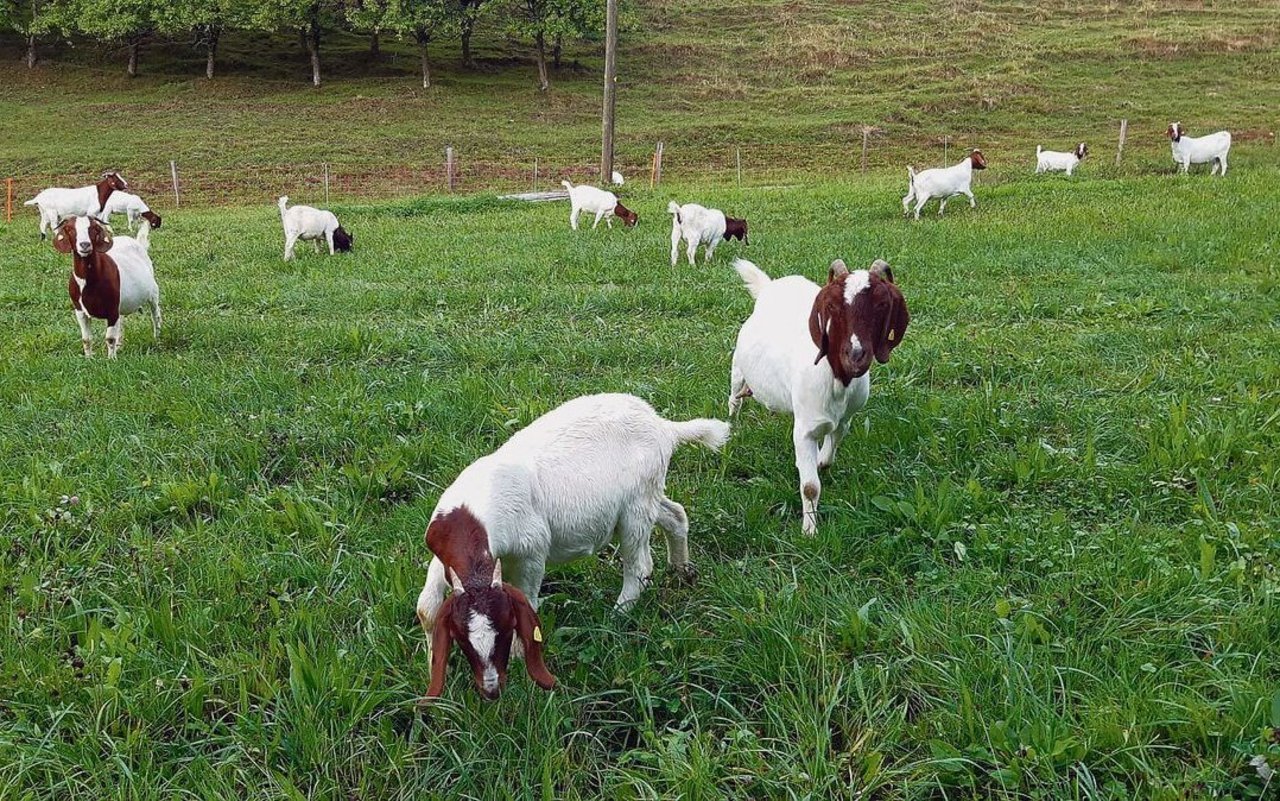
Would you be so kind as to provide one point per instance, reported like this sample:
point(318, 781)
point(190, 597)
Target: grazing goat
point(132, 207)
point(579, 477)
point(307, 223)
point(1057, 161)
point(110, 277)
point(603, 204)
point(56, 204)
point(1188, 150)
point(856, 316)
point(942, 183)
point(699, 224)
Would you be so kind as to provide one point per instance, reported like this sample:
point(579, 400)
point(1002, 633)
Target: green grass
point(791, 82)
point(1048, 567)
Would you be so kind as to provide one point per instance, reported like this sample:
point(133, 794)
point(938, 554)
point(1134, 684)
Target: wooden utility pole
point(610, 84)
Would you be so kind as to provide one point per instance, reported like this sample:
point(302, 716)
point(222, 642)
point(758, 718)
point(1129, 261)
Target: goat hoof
point(687, 573)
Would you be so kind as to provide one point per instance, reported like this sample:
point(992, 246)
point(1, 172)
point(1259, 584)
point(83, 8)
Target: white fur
point(939, 182)
point(305, 223)
point(1056, 160)
point(591, 200)
point(125, 203)
point(56, 204)
point(698, 225)
point(583, 475)
point(1190, 150)
point(774, 357)
point(138, 287)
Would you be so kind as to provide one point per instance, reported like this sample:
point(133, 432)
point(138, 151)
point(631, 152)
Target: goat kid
point(312, 224)
point(857, 316)
point(1057, 161)
point(604, 205)
point(698, 225)
point(108, 287)
point(1188, 150)
point(56, 204)
point(583, 475)
point(132, 206)
point(942, 183)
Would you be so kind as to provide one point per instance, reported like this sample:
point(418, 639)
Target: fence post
point(535, 173)
point(173, 171)
point(866, 132)
point(448, 166)
point(326, 184)
point(655, 177)
point(946, 146)
point(738, 150)
point(8, 200)
point(1124, 131)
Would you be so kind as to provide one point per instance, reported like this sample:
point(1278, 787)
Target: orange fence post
point(8, 200)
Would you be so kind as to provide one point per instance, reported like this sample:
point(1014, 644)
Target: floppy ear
point(818, 322)
point(895, 323)
point(441, 642)
point(103, 241)
point(529, 628)
point(61, 240)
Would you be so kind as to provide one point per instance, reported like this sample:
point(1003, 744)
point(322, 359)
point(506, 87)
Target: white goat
point(604, 205)
point(307, 223)
point(56, 204)
point(699, 224)
point(579, 477)
point(942, 183)
point(1057, 161)
point(1188, 150)
point(132, 207)
point(844, 324)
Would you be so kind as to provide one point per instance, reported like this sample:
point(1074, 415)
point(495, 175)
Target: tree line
point(130, 24)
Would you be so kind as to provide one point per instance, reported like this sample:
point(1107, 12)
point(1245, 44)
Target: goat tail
point(674, 208)
point(144, 234)
point(751, 275)
point(712, 434)
point(1037, 151)
point(32, 202)
point(567, 185)
point(282, 203)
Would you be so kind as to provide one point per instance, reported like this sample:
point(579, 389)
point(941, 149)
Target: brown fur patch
point(628, 217)
point(735, 229)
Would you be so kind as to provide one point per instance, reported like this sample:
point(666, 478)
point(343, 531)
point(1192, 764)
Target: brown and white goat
point(483, 614)
point(110, 278)
point(56, 204)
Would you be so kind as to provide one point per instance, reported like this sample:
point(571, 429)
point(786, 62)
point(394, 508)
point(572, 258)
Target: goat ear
point(818, 326)
point(529, 629)
point(896, 319)
point(62, 240)
point(441, 642)
point(104, 240)
point(455, 582)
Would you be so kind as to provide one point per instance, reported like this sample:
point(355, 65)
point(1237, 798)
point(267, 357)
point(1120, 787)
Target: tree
point(465, 13)
point(30, 19)
point(308, 17)
point(204, 20)
point(127, 22)
point(424, 20)
point(552, 20)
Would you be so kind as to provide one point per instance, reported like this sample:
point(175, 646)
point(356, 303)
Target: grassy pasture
point(1048, 567)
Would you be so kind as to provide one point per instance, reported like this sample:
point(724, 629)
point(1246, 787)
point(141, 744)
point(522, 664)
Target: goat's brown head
point(153, 218)
point(1174, 131)
point(736, 229)
point(857, 316)
point(342, 240)
point(83, 236)
point(483, 614)
point(628, 217)
point(1082, 150)
point(115, 180)
point(978, 160)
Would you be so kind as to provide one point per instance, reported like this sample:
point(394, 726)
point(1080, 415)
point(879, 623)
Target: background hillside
point(790, 83)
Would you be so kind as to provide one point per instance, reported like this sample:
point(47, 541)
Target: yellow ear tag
point(890, 334)
point(537, 634)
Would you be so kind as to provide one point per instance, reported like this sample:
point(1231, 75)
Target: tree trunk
point(467, 25)
point(31, 51)
point(134, 48)
point(375, 44)
point(543, 82)
point(558, 49)
point(423, 40)
point(211, 51)
point(311, 39)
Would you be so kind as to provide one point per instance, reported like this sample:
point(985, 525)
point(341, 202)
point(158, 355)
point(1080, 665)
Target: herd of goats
point(592, 471)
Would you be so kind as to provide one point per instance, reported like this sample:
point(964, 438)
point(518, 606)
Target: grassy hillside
point(791, 83)
point(1048, 565)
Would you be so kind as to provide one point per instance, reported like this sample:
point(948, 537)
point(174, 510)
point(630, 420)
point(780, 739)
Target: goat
point(132, 207)
point(1188, 150)
point(942, 183)
point(698, 224)
point(56, 204)
point(307, 223)
point(580, 476)
point(595, 201)
point(111, 276)
point(856, 316)
point(1057, 161)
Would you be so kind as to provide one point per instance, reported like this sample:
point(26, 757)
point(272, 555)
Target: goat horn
point(497, 573)
point(881, 268)
point(456, 582)
point(838, 268)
